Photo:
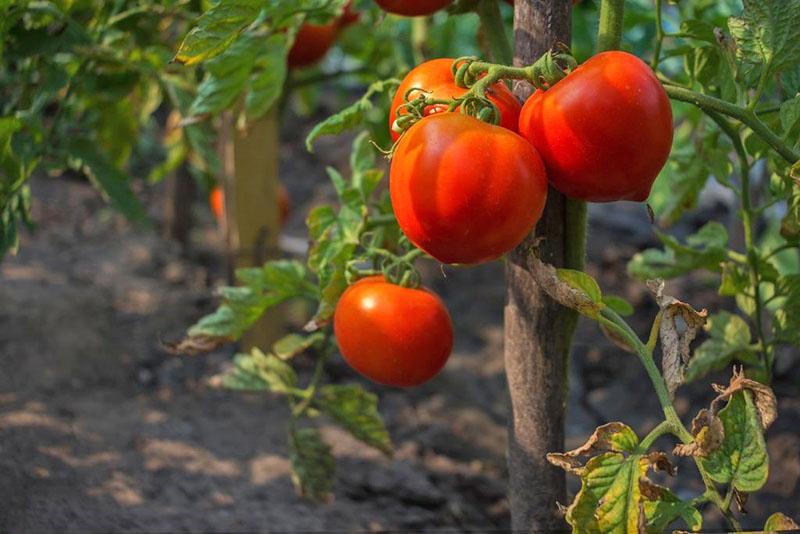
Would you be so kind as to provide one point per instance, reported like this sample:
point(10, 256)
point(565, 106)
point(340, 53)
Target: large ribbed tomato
point(393, 335)
point(463, 190)
point(436, 78)
point(604, 132)
point(311, 43)
point(412, 8)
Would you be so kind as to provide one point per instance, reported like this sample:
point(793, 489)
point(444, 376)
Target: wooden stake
point(538, 331)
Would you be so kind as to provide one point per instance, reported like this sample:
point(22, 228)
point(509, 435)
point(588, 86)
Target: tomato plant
point(435, 79)
point(385, 350)
point(465, 191)
point(604, 131)
point(413, 8)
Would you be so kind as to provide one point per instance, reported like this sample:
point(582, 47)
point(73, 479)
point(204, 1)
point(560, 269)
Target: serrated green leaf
point(790, 118)
point(216, 29)
point(320, 219)
point(742, 458)
point(698, 29)
point(313, 465)
point(351, 116)
point(357, 411)
point(768, 33)
point(582, 282)
point(114, 183)
point(257, 371)
point(704, 250)
point(291, 345)
point(730, 339)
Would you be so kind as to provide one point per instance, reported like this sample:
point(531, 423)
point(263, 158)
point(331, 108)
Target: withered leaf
point(547, 278)
point(708, 433)
point(763, 396)
point(194, 345)
point(675, 337)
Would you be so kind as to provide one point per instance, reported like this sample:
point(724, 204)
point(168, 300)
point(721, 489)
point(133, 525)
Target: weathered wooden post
point(250, 167)
point(538, 331)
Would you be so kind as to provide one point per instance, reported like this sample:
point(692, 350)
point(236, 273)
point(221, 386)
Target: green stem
point(311, 391)
point(419, 38)
point(745, 116)
point(609, 34)
point(495, 31)
point(662, 428)
point(659, 37)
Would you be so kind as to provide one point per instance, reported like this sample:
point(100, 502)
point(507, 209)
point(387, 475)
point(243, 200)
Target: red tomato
point(436, 77)
point(412, 8)
point(393, 335)
point(465, 191)
point(216, 199)
point(604, 132)
point(349, 16)
point(311, 43)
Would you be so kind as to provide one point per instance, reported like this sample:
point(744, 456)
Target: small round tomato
point(393, 335)
point(412, 8)
point(465, 191)
point(604, 132)
point(216, 200)
point(436, 78)
point(311, 43)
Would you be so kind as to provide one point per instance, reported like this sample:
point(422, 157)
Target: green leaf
point(661, 513)
point(111, 181)
point(768, 33)
point(742, 458)
point(266, 85)
point(618, 304)
point(790, 118)
point(582, 282)
point(779, 522)
point(313, 465)
point(698, 29)
point(264, 287)
point(734, 279)
point(787, 315)
point(351, 116)
point(319, 220)
point(730, 339)
point(704, 250)
point(357, 411)
point(291, 345)
point(216, 29)
point(608, 500)
point(259, 372)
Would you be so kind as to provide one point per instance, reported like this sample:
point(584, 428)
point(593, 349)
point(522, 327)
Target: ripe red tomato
point(604, 132)
point(216, 199)
point(465, 191)
point(311, 43)
point(349, 16)
point(412, 8)
point(393, 335)
point(436, 77)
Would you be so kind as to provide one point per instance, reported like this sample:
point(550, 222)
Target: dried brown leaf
point(765, 400)
point(195, 345)
point(708, 434)
point(675, 337)
point(660, 462)
point(741, 500)
point(547, 279)
point(614, 437)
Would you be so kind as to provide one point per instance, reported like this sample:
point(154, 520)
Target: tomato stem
point(495, 31)
point(610, 32)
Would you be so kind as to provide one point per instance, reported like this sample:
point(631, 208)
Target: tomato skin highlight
point(436, 77)
point(465, 191)
point(412, 8)
point(604, 132)
point(392, 335)
point(311, 43)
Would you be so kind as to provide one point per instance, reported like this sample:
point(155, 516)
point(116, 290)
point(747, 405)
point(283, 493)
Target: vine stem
point(495, 31)
point(745, 116)
point(609, 33)
point(659, 37)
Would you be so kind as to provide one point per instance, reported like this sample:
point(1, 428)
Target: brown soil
point(101, 430)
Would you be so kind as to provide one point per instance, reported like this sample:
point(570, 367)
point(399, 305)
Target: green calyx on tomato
point(604, 132)
point(434, 80)
point(412, 8)
point(392, 335)
point(465, 191)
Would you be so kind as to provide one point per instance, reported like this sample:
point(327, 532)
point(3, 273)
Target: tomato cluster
point(466, 191)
